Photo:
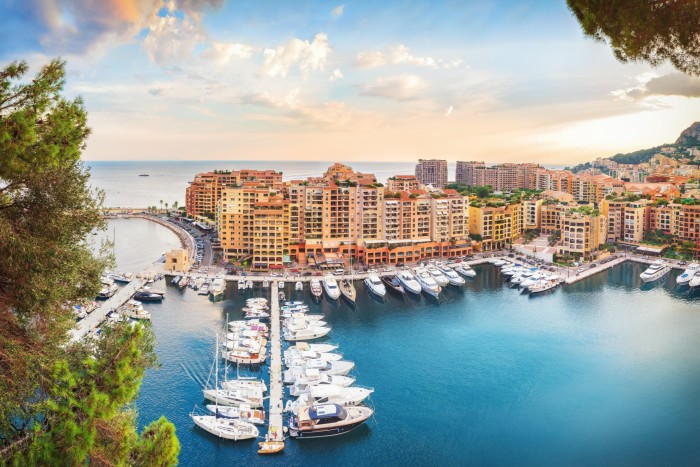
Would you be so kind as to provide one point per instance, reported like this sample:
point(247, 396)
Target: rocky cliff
point(690, 136)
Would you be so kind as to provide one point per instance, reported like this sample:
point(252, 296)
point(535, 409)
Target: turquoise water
point(602, 372)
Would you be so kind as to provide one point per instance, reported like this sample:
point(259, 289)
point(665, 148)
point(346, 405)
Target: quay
point(275, 427)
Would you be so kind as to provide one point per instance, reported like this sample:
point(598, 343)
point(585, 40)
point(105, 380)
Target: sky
point(498, 81)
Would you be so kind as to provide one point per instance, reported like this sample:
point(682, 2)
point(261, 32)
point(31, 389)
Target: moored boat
point(226, 428)
point(299, 286)
point(331, 287)
point(316, 289)
point(427, 283)
point(655, 271)
point(452, 277)
point(686, 276)
point(217, 287)
point(134, 309)
point(409, 282)
point(393, 284)
point(242, 412)
point(327, 420)
point(347, 289)
point(374, 284)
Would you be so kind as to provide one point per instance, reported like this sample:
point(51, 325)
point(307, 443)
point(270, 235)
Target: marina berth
point(409, 282)
point(393, 284)
point(327, 420)
point(242, 412)
point(226, 428)
point(331, 287)
point(451, 275)
point(316, 289)
point(427, 283)
point(655, 271)
point(374, 284)
point(686, 276)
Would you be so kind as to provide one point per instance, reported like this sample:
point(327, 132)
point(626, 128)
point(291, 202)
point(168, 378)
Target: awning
point(276, 266)
point(654, 250)
point(286, 259)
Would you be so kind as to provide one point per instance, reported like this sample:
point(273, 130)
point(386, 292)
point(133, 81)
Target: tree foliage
point(60, 402)
point(652, 31)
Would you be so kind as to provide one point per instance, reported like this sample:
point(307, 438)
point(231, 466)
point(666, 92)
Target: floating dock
point(275, 428)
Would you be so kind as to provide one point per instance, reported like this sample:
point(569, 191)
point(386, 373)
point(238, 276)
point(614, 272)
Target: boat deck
point(276, 388)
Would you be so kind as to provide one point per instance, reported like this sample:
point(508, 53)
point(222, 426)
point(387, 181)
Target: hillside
point(690, 136)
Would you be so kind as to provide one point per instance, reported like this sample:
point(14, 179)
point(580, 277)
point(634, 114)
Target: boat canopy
point(319, 412)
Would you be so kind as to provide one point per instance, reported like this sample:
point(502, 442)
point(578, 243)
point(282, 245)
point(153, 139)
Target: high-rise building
point(466, 172)
point(497, 226)
point(581, 233)
point(432, 172)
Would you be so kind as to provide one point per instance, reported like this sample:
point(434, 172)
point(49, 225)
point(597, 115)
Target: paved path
point(97, 317)
point(276, 388)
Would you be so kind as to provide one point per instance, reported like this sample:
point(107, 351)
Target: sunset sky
point(353, 81)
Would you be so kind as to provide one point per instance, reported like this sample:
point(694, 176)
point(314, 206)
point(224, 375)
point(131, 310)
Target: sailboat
point(221, 426)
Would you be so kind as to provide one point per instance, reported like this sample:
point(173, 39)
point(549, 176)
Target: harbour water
point(605, 371)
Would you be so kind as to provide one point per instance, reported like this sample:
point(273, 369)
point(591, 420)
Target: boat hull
point(324, 432)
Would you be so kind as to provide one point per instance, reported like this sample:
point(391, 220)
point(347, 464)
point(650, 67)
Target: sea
point(125, 185)
point(602, 372)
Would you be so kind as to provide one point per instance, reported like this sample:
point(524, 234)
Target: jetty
point(275, 427)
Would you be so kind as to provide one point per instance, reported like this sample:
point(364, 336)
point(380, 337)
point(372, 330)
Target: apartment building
point(204, 192)
point(680, 220)
point(532, 213)
point(270, 233)
point(432, 172)
point(581, 234)
point(466, 172)
point(402, 183)
point(626, 220)
point(497, 226)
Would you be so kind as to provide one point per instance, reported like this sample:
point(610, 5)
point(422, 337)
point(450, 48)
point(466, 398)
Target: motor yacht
point(437, 275)
point(374, 284)
point(543, 285)
point(452, 277)
point(252, 397)
point(339, 367)
point(343, 396)
point(316, 289)
point(299, 286)
point(695, 281)
point(302, 346)
point(310, 333)
point(327, 420)
point(655, 271)
point(687, 275)
point(217, 287)
point(427, 283)
point(242, 412)
point(331, 287)
point(465, 270)
point(134, 309)
point(241, 284)
point(409, 282)
point(244, 383)
point(393, 284)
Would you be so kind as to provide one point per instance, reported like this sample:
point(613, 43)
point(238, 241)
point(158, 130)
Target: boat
point(122, 278)
point(176, 279)
point(437, 275)
point(542, 286)
point(303, 385)
point(687, 275)
point(143, 175)
point(249, 284)
point(244, 383)
point(500, 262)
point(374, 284)
point(299, 286)
point(270, 447)
point(452, 276)
point(204, 289)
point(242, 412)
point(695, 281)
point(347, 289)
point(280, 284)
point(266, 284)
point(327, 420)
point(465, 270)
point(655, 271)
point(302, 346)
point(393, 284)
point(226, 428)
point(147, 296)
point(312, 332)
point(252, 397)
point(337, 367)
point(427, 283)
point(316, 289)
point(291, 357)
point(343, 396)
point(241, 284)
point(409, 282)
point(331, 287)
point(107, 291)
point(217, 287)
point(133, 309)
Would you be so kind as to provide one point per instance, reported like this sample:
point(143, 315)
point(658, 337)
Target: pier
point(93, 320)
point(274, 430)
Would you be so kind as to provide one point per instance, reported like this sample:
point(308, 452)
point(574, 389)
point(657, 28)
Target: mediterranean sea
point(603, 372)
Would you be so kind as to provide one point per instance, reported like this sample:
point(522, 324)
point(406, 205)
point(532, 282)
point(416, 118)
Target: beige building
point(581, 234)
point(532, 212)
point(626, 220)
point(177, 261)
point(402, 183)
point(432, 172)
point(497, 226)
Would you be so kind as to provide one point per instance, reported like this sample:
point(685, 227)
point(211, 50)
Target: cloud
point(170, 39)
point(370, 59)
point(221, 53)
point(155, 91)
point(306, 56)
point(672, 84)
point(338, 11)
point(401, 55)
point(398, 88)
point(337, 74)
point(449, 111)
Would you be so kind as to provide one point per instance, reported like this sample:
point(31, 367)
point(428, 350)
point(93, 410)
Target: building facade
point(432, 172)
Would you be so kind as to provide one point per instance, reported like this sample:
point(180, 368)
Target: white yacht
point(291, 357)
point(302, 346)
point(331, 286)
point(427, 283)
point(339, 367)
point(299, 286)
point(134, 309)
point(241, 284)
point(465, 270)
point(438, 276)
point(695, 281)
point(500, 262)
point(409, 282)
point(312, 332)
point(655, 271)
point(217, 287)
point(343, 396)
point(375, 285)
point(543, 285)
point(234, 397)
point(227, 428)
point(690, 272)
point(451, 275)
point(242, 412)
point(316, 289)
point(244, 383)
point(248, 284)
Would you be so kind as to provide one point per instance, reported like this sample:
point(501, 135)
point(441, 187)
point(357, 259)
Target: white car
point(387, 269)
point(372, 271)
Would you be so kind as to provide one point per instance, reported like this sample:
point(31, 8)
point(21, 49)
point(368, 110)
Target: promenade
point(276, 388)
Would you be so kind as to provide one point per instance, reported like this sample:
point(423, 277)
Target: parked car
point(593, 265)
point(339, 272)
point(308, 273)
point(387, 269)
point(682, 262)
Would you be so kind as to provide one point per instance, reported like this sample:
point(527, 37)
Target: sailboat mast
point(216, 375)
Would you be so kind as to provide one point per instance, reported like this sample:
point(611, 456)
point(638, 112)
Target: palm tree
point(166, 206)
point(161, 204)
point(175, 205)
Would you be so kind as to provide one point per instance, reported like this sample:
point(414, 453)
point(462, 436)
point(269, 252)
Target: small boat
point(327, 420)
point(374, 284)
point(122, 278)
point(347, 289)
point(249, 284)
point(312, 332)
point(655, 271)
point(133, 309)
point(409, 282)
point(687, 275)
point(465, 270)
point(280, 284)
point(176, 279)
point(244, 383)
point(226, 428)
point(266, 284)
point(204, 289)
point(217, 287)
point(252, 397)
point(270, 447)
point(543, 286)
point(148, 296)
point(241, 284)
point(183, 282)
point(393, 284)
point(316, 289)
point(331, 287)
point(427, 283)
point(437, 276)
point(242, 412)
point(451, 275)
point(299, 286)
point(302, 346)
point(143, 175)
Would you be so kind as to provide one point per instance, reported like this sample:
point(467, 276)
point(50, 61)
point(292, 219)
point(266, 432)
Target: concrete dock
point(276, 388)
